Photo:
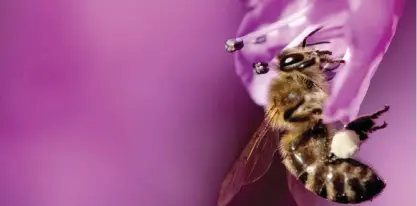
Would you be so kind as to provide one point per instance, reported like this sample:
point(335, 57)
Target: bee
point(317, 154)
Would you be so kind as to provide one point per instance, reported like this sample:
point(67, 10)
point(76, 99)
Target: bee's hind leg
point(366, 124)
point(380, 112)
point(346, 142)
point(378, 127)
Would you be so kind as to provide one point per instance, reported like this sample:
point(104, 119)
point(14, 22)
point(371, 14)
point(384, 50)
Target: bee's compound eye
point(261, 67)
point(291, 59)
point(233, 45)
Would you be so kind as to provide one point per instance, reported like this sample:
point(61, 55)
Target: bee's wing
point(252, 164)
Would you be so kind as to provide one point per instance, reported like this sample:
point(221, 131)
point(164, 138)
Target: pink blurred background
point(134, 103)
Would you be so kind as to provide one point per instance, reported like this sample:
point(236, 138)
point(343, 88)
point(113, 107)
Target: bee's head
point(298, 60)
point(302, 58)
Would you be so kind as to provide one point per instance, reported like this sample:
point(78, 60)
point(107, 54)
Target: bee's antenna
point(304, 44)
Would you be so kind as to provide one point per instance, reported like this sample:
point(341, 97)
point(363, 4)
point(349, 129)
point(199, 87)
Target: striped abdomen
point(342, 181)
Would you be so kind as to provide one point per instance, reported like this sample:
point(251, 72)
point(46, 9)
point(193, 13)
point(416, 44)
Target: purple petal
point(368, 42)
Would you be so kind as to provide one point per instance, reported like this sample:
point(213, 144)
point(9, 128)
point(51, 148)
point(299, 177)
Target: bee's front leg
point(306, 109)
point(333, 61)
point(326, 57)
point(291, 114)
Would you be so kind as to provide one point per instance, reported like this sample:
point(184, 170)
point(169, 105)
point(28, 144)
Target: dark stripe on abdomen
point(319, 179)
point(339, 188)
point(323, 192)
point(355, 186)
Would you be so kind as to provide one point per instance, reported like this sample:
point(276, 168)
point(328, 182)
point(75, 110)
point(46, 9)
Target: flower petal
point(368, 42)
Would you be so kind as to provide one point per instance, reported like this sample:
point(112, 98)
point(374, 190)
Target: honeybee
point(317, 154)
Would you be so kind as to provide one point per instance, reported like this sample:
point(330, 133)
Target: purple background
point(134, 103)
